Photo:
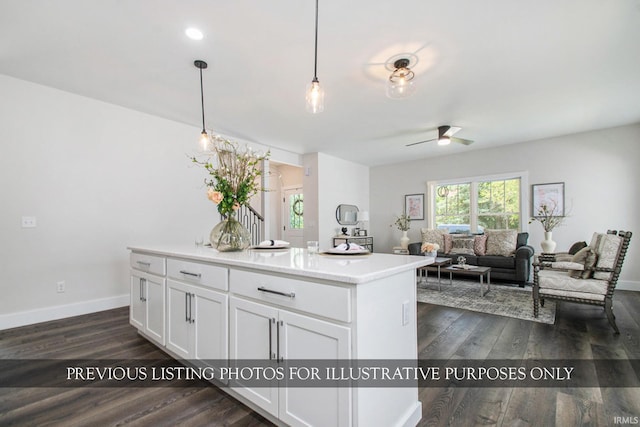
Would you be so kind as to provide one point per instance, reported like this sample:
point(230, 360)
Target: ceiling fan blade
point(462, 141)
point(420, 142)
point(450, 131)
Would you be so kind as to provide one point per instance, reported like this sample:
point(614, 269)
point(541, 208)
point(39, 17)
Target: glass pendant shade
point(401, 89)
point(204, 140)
point(315, 97)
point(400, 84)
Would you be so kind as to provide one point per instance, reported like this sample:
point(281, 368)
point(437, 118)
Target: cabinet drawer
point(329, 301)
point(208, 275)
point(149, 263)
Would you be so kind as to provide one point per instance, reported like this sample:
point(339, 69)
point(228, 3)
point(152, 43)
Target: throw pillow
point(607, 255)
point(480, 245)
point(522, 239)
point(448, 243)
point(433, 236)
point(501, 242)
point(575, 248)
point(595, 241)
point(589, 263)
point(463, 245)
point(587, 258)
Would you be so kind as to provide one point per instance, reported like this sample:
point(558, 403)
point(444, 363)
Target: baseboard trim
point(628, 285)
point(30, 317)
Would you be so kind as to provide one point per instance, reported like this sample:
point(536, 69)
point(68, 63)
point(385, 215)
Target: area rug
point(502, 300)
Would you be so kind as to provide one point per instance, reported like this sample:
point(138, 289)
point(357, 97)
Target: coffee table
point(434, 266)
point(473, 271)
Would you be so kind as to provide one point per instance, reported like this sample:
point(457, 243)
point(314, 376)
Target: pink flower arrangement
point(430, 247)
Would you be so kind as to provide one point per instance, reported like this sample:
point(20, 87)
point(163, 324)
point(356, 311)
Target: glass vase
point(230, 235)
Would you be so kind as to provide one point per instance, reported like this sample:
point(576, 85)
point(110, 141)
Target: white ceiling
point(505, 71)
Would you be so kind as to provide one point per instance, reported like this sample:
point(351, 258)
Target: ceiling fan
point(445, 136)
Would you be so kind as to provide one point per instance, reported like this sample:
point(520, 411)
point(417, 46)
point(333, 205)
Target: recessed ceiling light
point(194, 33)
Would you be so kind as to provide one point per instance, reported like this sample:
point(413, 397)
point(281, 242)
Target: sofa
point(511, 262)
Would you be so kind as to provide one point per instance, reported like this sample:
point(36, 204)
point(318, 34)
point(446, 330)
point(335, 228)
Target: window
point(296, 211)
point(453, 204)
point(499, 204)
point(472, 205)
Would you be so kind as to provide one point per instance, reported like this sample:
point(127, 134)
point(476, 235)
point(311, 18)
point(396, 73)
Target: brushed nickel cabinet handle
point(191, 298)
point(271, 354)
point(143, 283)
point(188, 273)
point(186, 307)
point(279, 357)
point(270, 291)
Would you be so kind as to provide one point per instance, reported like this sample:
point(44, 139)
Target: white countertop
point(353, 269)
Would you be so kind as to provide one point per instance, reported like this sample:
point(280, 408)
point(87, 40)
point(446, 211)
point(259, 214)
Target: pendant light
point(204, 137)
point(315, 93)
point(400, 84)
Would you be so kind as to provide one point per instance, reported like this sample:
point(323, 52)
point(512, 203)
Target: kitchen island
point(277, 305)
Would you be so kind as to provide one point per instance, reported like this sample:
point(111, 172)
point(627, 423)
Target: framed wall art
point(550, 195)
point(414, 206)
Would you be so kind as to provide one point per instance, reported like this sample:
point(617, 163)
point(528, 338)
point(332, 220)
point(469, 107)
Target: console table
point(364, 241)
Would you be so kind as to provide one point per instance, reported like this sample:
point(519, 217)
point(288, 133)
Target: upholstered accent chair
point(589, 278)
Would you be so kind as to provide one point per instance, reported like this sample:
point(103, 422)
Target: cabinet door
point(155, 310)
point(210, 324)
point(303, 337)
point(253, 337)
point(136, 305)
point(178, 324)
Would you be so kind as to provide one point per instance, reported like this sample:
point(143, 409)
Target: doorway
point(293, 215)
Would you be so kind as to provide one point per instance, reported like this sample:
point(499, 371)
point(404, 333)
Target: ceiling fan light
point(444, 140)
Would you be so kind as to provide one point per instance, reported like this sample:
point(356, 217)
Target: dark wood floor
point(580, 332)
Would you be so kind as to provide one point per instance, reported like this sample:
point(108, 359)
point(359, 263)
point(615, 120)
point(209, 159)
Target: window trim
point(473, 180)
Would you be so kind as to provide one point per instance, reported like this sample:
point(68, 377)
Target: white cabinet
point(196, 322)
point(265, 332)
point(203, 305)
point(147, 305)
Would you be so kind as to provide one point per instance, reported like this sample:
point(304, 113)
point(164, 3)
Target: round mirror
point(347, 214)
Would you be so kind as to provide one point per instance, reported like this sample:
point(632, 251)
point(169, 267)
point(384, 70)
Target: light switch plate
point(405, 313)
point(28, 222)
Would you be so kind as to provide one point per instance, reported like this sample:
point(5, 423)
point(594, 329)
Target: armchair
point(590, 279)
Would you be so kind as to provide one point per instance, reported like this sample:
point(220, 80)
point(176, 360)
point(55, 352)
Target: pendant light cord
point(315, 63)
point(202, 100)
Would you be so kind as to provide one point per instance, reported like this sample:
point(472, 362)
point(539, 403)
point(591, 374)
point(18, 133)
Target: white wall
point(600, 170)
point(97, 177)
point(342, 182)
point(330, 181)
